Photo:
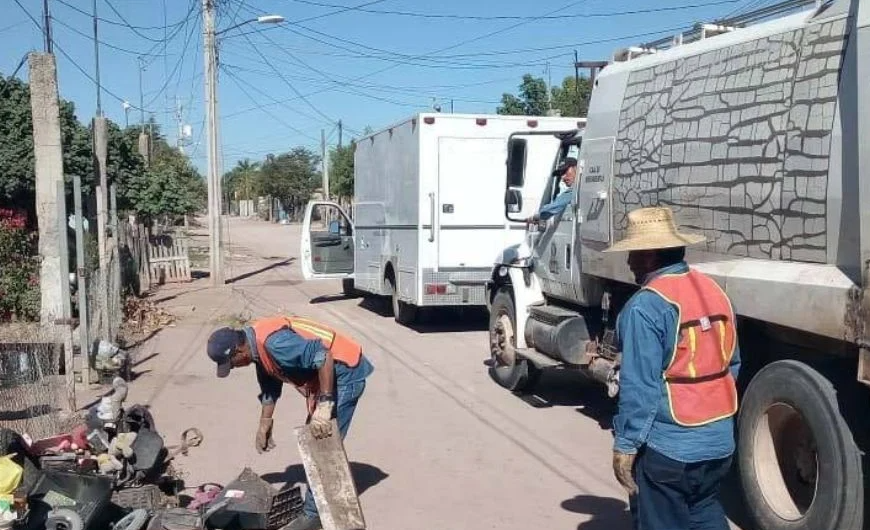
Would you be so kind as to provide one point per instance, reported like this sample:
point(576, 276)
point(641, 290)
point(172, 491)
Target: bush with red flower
point(19, 268)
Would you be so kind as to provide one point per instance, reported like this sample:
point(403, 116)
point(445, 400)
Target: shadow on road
point(282, 263)
point(451, 320)
point(329, 298)
point(364, 475)
point(607, 513)
point(567, 388)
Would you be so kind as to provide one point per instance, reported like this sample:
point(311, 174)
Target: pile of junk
point(113, 472)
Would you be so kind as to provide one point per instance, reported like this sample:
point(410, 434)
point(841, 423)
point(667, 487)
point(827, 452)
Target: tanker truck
point(756, 133)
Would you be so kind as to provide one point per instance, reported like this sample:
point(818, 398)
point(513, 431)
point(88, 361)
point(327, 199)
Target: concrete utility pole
point(212, 178)
point(325, 166)
point(49, 171)
point(144, 140)
point(339, 132)
point(101, 155)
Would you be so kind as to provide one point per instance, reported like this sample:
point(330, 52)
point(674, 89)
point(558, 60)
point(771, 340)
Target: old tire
point(799, 466)
point(404, 313)
point(505, 367)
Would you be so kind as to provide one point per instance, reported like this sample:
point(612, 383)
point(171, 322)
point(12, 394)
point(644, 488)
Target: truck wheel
point(347, 287)
point(799, 465)
point(507, 368)
point(404, 314)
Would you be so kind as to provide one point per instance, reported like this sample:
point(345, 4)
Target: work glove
point(264, 440)
point(623, 465)
point(321, 419)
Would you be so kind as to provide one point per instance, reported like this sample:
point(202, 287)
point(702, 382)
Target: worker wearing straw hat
point(673, 434)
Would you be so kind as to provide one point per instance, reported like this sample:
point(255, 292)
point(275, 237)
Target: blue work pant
point(346, 398)
point(675, 495)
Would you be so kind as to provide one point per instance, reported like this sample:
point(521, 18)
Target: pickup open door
point(327, 247)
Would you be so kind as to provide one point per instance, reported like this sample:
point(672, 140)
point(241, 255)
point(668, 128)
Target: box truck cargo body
point(428, 209)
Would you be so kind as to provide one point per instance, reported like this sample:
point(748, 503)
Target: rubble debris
point(252, 503)
point(143, 316)
point(111, 360)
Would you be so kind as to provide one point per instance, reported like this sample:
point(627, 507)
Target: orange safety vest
point(344, 350)
point(698, 379)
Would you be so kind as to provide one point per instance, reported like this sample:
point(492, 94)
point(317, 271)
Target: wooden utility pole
point(325, 164)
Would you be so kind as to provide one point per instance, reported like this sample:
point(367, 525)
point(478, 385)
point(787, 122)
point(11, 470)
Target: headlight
point(502, 271)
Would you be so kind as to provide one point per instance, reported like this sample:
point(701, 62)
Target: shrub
point(19, 268)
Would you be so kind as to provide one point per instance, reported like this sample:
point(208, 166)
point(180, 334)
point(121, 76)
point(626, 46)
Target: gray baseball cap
point(221, 345)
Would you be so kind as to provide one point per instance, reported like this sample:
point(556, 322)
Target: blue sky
point(280, 85)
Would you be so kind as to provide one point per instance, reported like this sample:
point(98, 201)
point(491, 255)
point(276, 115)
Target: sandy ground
point(434, 444)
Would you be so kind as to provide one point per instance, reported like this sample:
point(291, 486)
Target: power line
point(526, 17)
point(286, 81)
point(115, 22)
point(343, 9)
point(177, 64)
point(102, 42)
point(238, 83)
point(71, 60)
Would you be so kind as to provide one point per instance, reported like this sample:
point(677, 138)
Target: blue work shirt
point(557, 205)
point(646, 330)
point(300, 357)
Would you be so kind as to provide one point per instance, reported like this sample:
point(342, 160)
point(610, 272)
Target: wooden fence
point(148, 260)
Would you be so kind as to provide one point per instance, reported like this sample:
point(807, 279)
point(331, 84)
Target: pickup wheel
point(506, 367)
point(799, 465)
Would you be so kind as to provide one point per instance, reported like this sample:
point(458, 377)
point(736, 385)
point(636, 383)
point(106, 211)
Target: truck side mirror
point(513, 201)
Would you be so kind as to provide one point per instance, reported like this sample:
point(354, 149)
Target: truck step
point(551, 314)
point(537, 358)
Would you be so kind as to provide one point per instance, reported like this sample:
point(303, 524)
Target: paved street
point(435, 443)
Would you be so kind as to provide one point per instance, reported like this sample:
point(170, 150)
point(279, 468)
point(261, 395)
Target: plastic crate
point(87, 495)
point(286, 506)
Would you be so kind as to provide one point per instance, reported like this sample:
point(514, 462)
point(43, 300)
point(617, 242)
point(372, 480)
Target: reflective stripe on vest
point(343, 349)
point(698, 378)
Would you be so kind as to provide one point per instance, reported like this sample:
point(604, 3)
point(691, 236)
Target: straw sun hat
point(651, 229)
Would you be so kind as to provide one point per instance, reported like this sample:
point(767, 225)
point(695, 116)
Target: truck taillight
point(436, 288)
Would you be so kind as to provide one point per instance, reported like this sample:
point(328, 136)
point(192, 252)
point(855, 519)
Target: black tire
point(403, 313)
point(347, 287)
point(799, 466)
point(506, 368)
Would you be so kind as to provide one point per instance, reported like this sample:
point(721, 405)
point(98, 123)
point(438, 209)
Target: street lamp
point(127, 106)
point(213, 177)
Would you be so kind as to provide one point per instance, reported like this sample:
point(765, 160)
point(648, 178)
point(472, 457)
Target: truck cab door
point(530, 157)
point(327, 246)
point(555, 252)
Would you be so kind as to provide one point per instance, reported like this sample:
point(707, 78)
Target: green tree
point(531, 101)
point(17, 174)
point(243, 181)
point(341, 171)
point(291, 178)
point(567, 99)
point(169, 188)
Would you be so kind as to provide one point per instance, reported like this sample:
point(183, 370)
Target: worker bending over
point(674, 432)
point(326, 367)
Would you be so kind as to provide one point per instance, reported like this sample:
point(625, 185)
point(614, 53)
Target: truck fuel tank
point(558, 333)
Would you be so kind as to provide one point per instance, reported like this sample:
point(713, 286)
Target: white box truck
point(428, 211)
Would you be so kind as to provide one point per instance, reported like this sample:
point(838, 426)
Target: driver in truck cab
point(568, 172)
point(674, 432)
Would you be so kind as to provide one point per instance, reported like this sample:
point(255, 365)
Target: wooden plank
point(329, 478)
